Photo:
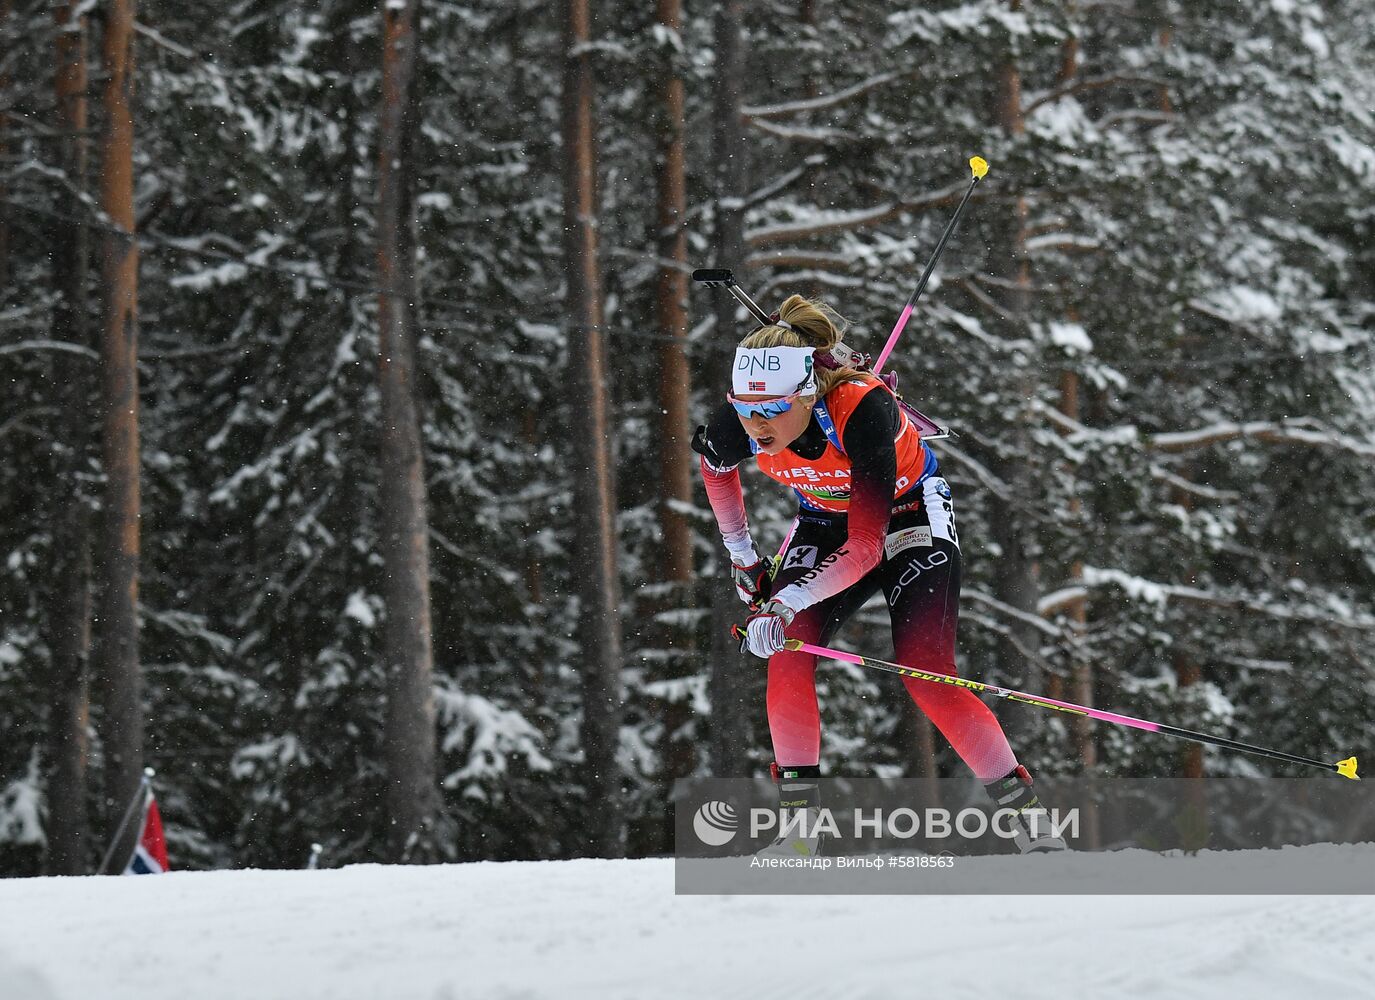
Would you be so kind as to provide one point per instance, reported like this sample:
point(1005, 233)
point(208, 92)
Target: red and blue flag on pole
point(150, 853)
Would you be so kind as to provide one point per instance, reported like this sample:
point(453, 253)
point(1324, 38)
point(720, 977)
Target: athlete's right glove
point(753, 580)
point(765, 631)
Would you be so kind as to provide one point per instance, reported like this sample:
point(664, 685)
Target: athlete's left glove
point(753, 576)
point(763, 632)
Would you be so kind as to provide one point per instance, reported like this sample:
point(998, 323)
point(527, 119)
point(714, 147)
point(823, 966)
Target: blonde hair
point(814, 324)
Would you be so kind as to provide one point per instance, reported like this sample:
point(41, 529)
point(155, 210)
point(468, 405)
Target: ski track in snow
point(613, 929)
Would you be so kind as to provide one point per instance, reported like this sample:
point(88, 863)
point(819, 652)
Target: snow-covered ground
point(611, 929)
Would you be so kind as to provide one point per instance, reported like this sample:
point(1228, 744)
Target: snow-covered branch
point(984, 299)
point(162, 40)
point(1153, 592)
point(1163, 475)
point(790, 280)
point(1145, 115)
point(1061, 600)
point(1213, 312)
point(1087, 83)
point(1303, 432)
point(1066, 423)
point(49, 345)
point(991, 482)
point(783, 181)
point(817, 103)
point(800, 258)
point(756, 197)
point(1008, 611)
point(17, 315)
point(486, 736)
point(18, 421)
point(807, 133)
point(823, 223)
point(1001, 630)
point(1067, 242)
point(1298, 430)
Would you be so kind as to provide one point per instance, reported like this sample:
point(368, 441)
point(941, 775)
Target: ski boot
point(799, 792)
point(1031, 828)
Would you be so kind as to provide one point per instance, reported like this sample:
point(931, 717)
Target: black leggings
point(920, 580)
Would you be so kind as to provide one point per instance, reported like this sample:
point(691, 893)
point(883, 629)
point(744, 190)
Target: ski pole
point(1346, 768)
point(980, 167)
point(140, 797)
point(721, 277)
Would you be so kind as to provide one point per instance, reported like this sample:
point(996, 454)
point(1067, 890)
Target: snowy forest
point(350, 361)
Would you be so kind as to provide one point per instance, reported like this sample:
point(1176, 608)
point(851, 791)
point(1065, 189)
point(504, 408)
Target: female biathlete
point(873, 515)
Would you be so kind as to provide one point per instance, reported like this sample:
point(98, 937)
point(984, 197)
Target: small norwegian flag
point(759, 387)
point(150, 853)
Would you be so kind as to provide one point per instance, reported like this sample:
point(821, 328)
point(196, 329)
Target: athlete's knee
point(791, 692)
point(789, 664)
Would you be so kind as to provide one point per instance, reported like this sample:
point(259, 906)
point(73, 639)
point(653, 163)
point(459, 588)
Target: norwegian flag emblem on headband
point(776, 371)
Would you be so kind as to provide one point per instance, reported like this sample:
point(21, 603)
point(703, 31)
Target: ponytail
point(809, 323)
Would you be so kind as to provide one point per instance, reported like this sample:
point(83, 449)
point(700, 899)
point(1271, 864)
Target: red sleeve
point(723, 445)
point(728, 504)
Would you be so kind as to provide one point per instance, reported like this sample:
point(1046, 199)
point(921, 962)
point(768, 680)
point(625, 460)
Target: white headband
point(773, 371)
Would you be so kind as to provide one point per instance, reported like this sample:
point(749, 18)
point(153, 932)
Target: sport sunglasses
point(766, 408)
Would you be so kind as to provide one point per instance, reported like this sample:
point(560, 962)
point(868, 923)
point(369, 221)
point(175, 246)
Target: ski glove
point(752, 581)
point(764, 629)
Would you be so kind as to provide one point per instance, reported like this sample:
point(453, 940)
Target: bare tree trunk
point(412, 789)
point(593, 471)
point(1081, 668)
point(7, 30)
point(730, 713)
point(338, 50)
point(670, 302)
point(1015, 582)
point(731, 731)
point(1081, 673)
point(534, 568)
point(69, 610)
point(69, 718)
point(675, 562)
point(1186, 668)
point(117, 641)
point(806, 15)
point(1165, 37)
point(1187, 674)
point(915, 733)
point(1069, 52)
